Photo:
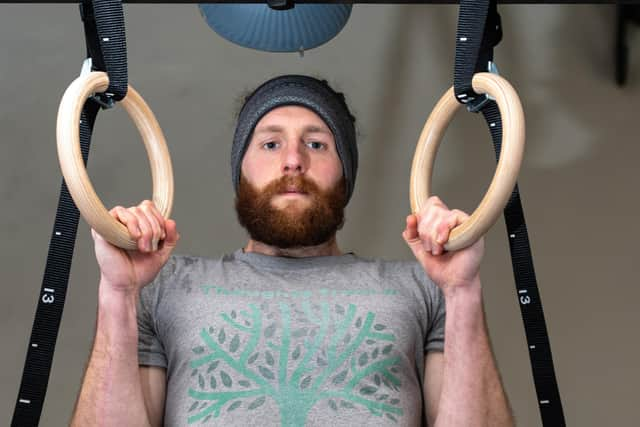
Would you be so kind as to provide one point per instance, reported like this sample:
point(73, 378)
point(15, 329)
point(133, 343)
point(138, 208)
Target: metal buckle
point(105, 100)
point(475, 105)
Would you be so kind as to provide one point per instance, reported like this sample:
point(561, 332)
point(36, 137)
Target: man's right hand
point(130, 270)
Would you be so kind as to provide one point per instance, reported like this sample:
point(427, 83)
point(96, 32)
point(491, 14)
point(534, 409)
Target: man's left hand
point(428, 231)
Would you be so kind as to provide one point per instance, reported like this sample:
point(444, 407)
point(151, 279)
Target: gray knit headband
point(307, 92)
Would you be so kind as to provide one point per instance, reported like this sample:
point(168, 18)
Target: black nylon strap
point(106, 46)
point(44, 333)
point(535, 327)
point(479, 30)
point(474, 44)
point(106, 42)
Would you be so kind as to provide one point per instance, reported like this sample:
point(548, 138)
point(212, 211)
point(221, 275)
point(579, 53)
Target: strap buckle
point(475, 105)
point(104, 100)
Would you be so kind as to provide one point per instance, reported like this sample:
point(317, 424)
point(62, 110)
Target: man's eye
point(271, 145)
point(315, 145)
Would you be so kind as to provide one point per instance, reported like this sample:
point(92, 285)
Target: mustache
point(297, 183)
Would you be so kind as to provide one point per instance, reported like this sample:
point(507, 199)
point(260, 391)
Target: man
point(290, 330)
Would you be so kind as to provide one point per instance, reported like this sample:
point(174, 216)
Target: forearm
point(472, 393)
point(111, 393)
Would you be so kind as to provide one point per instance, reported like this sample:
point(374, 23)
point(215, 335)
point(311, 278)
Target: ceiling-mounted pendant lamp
point(290, 28)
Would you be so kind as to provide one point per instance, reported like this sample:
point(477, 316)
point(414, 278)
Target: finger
point(155, 230)
point(425, 226)
point(127, 219)
point(453, 219)
point(412, 236)
point(416, 246)
point(172, 237)
point(433, 228)
point(153, 209)
point(156, 226)
point(146, 229)
point(434, 243)
point(411, 229)
point(461, 216)
point(444, 227)
point(431, 214)
point(436, 248)
point(428, 213)
point(436, 201)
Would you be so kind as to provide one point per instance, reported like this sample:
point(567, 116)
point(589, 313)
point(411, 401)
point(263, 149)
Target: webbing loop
point(479, 31)
point(106, 45)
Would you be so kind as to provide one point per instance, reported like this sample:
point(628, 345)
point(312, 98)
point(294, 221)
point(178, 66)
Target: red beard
point(291, 226)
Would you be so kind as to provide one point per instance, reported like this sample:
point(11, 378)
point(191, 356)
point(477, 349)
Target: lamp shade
point(257, 26)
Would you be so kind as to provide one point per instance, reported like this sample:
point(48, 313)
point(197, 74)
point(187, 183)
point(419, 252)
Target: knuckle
point(130, 216)
point(150, 208)
point(460, 213)
point(140, 212)
point(422, 229)
point(427, 215)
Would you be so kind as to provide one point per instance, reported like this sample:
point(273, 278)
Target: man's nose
point(294, 161)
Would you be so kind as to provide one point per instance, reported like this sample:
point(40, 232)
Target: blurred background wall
point(578, 182)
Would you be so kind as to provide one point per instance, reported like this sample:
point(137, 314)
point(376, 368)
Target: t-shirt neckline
point(290, 263)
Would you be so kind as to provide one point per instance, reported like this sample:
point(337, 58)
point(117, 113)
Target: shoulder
point(393, 269)
point(180, 273)
point(180, 264)
point(408, 281)
point(401, 273)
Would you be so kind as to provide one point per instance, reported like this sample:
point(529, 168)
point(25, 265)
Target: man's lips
point(292, 191)
point(292, 194)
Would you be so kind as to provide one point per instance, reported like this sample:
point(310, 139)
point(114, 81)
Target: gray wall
point(578, 179)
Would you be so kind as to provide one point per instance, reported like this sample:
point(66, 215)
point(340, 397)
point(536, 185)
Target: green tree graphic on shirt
point(332, 356)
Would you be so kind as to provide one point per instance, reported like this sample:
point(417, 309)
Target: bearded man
point(290, 330)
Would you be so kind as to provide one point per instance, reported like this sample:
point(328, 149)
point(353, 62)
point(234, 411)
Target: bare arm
point(111, 392)
point(467, 390)
point(471, 389)
point(115, 391)
point(154, 386)
point(433, 370)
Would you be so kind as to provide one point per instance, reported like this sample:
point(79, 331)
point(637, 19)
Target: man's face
point(291, 191)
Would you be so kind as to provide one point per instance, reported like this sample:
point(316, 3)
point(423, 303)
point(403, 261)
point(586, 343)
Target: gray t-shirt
point(256, 340)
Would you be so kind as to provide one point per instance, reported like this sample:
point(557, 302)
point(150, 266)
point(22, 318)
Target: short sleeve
point(435, 335)
point(150, 349)
point(436, 315)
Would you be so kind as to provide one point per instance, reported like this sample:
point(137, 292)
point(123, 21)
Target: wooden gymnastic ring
point(75, 173)
point(504, 180)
